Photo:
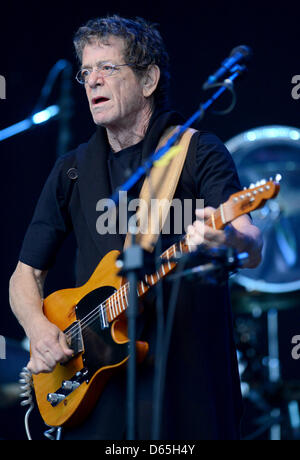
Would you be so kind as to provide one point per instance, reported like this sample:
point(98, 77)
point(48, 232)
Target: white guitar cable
point(26, 386)
point(26, 392)
point(54, 433)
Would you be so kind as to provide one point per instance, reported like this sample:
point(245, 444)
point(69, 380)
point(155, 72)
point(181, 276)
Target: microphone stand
point(223, 260)
point(133, 256)
point(66, 106)
point(41, 115)
point(34, 120)
point(132, 263)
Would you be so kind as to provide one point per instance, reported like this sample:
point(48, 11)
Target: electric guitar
point(93, 319)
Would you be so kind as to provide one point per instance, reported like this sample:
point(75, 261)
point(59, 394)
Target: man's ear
point(150, 80)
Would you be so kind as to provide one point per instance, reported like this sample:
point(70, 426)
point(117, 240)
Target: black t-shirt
point(209, 174)
point(202, 399)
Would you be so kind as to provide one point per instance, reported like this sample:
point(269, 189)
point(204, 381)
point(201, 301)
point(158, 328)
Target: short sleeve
point(216, 174)
point(51, 222)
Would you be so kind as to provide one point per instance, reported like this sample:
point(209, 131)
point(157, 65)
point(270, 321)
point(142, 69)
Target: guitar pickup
point(74, 338)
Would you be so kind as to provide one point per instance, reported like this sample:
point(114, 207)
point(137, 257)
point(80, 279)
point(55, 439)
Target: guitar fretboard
point(118, 302)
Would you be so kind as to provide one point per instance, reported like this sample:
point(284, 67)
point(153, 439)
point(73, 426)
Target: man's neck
point(120, 137)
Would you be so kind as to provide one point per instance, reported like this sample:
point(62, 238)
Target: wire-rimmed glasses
point(106, 69)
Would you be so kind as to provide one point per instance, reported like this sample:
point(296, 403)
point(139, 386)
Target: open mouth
point(99, 100)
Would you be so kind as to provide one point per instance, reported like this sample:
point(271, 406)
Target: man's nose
point(95, 78)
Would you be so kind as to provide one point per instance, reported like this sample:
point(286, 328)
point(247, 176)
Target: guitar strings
point(88, 315)
point(116, 297)
point(93, 315)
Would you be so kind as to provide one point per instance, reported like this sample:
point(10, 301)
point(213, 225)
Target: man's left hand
point(241, 235)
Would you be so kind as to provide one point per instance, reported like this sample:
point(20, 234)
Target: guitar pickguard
point(100, 349)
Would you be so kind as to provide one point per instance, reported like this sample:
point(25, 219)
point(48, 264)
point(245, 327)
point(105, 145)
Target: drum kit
point(266, 300)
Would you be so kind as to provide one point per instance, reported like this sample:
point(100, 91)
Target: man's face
point(115, 101)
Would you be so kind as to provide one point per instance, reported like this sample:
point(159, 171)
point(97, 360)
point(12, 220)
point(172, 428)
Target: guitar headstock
point(255, 196)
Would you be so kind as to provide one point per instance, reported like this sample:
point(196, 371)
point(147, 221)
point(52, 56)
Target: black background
point(198, 35)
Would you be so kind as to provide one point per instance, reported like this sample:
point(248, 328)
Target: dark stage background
point(198, 36)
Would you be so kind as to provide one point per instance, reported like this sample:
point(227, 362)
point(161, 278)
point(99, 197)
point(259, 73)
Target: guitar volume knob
point(55, 398)
point(69, 385)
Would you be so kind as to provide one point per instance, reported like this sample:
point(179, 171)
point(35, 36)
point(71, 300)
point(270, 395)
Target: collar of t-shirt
point(122, 164)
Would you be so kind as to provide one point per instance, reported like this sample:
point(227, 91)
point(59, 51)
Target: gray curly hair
point(143, 47)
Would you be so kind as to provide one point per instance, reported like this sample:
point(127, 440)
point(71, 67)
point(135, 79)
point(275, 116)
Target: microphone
point(238, 55)
point(66, 109)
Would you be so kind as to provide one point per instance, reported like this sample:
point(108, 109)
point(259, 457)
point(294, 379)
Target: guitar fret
point(125, 297)
point(110, 308)
point(126, 294)
point(122, 300)
point(107, 308)
point(118, 301)
point(113, 306)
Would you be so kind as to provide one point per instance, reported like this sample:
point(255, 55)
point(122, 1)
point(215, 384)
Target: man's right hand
point(48, 347)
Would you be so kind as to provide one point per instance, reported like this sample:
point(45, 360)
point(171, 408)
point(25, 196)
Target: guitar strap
point(161, 185)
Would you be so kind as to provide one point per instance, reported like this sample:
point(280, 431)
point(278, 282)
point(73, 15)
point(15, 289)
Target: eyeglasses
point(105, 69)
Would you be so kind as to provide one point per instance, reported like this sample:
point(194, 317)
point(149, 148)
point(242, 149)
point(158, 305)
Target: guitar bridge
point(74, 338)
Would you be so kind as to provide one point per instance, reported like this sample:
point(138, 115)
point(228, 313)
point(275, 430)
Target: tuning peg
point(278, 177)
point(252, 186)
